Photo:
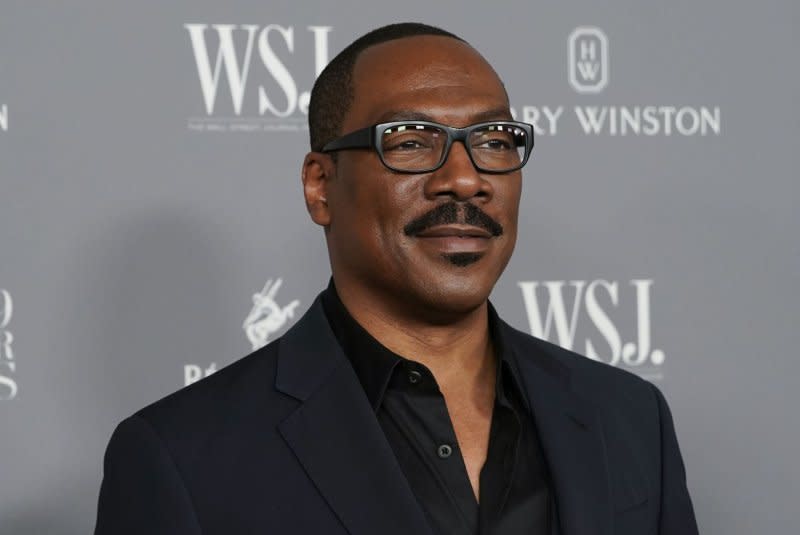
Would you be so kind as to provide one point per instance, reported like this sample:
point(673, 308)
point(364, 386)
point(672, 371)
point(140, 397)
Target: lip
point(453, 239)
point(455, 231)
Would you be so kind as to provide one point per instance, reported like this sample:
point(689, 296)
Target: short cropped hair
point(332, 93)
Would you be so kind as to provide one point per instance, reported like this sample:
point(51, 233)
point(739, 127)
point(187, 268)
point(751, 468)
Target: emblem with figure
point(267, 317)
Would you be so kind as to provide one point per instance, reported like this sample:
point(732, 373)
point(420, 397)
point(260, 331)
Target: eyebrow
point(499, 114)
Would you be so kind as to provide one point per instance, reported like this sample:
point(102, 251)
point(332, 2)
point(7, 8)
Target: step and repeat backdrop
point(152, 227)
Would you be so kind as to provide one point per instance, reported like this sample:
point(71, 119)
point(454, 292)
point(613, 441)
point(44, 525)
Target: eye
point(410, 144)
point(493, 143)
point(407, 141)
point(498, 144)
point(412, 137)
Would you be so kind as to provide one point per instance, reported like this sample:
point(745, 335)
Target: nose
point(458, 178)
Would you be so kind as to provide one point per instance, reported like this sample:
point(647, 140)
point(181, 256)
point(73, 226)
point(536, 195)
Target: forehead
point(435, 76)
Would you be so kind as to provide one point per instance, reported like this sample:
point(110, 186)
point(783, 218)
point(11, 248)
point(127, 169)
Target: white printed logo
point(8, 386)
point(588, 68)
point(194, 372)
point(266, 317)
point(599, 300)
point(281, 104)
point(4, 117)
point(588, 59)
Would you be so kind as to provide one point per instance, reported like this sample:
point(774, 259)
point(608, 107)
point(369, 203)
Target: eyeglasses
point(421, 146)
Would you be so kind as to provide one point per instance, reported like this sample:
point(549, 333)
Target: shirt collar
point(375, 364)
point(371, 360)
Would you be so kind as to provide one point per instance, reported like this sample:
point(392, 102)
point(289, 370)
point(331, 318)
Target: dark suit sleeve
point(677, 513)
point(142, 491)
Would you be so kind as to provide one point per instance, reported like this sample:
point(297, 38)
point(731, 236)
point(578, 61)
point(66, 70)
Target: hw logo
point(588, 59)
point(236, 46)
point(598, 301)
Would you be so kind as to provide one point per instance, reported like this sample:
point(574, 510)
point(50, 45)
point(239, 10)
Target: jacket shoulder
point(241, 392)
point(595, 381)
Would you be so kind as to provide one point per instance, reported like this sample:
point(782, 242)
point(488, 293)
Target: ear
point(318, 170)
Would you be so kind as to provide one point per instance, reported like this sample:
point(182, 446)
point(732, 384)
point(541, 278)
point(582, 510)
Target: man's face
point(379, 236)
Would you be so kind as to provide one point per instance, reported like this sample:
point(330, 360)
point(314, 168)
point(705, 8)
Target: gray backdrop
point(144, 201)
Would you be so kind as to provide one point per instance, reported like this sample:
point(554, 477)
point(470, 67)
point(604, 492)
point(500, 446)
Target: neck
point(458, 351)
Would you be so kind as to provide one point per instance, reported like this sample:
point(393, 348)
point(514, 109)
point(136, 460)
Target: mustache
point(452, 213)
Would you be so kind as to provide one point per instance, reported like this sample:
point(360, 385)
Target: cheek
point(507, 197)
point(376, 204)
point(393, 203)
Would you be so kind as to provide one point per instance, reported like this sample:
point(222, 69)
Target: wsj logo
point(4, 117)
point(238, 52)
point(598, 301)
point(588, 59)
point(8, 386)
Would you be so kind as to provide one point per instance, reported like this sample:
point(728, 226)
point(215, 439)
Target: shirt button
point(414, 377)
point(444, 451)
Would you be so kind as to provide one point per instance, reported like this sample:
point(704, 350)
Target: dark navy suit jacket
point(284, 441)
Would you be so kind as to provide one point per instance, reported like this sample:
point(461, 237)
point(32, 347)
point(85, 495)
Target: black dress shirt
point(514, 486)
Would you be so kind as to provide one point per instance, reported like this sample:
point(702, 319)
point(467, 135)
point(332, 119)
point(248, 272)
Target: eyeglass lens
point(416, 147)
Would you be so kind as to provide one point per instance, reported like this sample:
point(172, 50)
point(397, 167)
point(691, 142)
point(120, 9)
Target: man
point(400, 403)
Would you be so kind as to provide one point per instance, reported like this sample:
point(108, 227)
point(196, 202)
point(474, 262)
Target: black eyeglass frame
point(369, 138)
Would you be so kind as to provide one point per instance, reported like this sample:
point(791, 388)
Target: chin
point(462, 259)
point(448, 293)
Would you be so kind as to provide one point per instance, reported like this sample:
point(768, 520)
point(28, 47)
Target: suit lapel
point(337, 438)
point(572, 439)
